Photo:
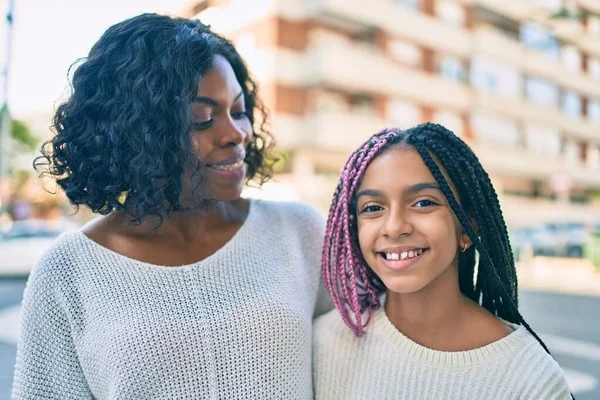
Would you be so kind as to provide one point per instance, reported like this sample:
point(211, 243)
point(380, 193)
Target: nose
point(397, 225)
point(232, 132)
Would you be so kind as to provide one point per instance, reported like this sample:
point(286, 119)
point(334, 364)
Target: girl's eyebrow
point(423, 186)
point(413, 189)
point(367, 192)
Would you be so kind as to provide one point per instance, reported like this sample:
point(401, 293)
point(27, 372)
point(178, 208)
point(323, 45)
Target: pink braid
point(343, 267)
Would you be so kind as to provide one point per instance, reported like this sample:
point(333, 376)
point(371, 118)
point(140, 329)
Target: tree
point(21, 134)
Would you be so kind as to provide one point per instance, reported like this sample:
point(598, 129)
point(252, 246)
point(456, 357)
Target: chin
point(404, 284)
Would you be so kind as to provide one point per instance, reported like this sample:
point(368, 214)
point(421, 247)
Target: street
point(569, 324)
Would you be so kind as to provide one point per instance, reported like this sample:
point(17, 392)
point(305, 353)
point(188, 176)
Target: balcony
point(521, 109)
point(362, 69)
point(522, 163)
point(332, 131)
point(487, 41)
point(386, 15)
point(340, 131)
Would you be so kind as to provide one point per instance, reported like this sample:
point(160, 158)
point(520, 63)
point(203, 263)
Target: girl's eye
point(239, 115)
point(370, 209)
point(425, 203)
point(201, 125)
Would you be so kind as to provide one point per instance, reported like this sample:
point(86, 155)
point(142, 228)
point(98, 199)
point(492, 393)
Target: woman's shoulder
point(330, 327)
point(292, 214)
point(61, 260)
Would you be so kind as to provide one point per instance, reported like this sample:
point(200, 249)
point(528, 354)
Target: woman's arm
point(47, 364)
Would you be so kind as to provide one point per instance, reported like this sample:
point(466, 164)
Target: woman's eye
point(239, 115)
point(425, 203)
point(201, 125)
point(370, 209)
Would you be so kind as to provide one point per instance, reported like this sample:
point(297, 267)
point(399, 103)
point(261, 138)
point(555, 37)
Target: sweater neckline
point(227, 247)
point(448, 359)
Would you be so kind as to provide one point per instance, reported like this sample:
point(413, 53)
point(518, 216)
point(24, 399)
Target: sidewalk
point(562, 275)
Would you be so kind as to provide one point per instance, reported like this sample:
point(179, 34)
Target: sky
point(49, 35)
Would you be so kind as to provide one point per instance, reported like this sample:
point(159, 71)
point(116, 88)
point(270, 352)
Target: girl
point(415, 217)
point(183, 289)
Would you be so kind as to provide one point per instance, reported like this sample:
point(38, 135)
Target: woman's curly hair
point(126, 127)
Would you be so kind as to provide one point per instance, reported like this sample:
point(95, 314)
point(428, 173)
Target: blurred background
point(519, 80)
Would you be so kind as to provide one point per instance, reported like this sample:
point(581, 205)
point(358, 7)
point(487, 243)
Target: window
point(405, 53)
point(571, 58)
point(450, 12)
point(493, 129)
point(495, 77)
point(593, 25)
point(542, 140)
point(594, 111)
point(571, 104)
point(594, 69)
point(537, 38)
point(451, 68)
point(404, 115)
point(542, 92)
point(450, 120)
point(411, 4)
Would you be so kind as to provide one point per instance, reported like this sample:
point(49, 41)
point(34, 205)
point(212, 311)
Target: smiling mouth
point(227, 167)
point(405, 255)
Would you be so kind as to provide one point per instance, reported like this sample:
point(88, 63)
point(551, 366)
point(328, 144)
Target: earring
point(465, 247)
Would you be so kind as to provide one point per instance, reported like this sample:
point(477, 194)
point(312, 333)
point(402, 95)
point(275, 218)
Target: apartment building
point(519, 80)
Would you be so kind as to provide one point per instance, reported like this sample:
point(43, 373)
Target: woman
point(182, 289)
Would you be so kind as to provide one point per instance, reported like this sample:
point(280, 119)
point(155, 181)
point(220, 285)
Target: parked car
point(553, 239)
point(22, 243)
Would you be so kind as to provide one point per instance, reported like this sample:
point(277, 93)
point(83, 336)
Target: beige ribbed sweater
point(236, 325)
point(385, 364)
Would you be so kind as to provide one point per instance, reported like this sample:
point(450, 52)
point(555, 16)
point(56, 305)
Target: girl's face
point(221, 130)
point(407, 231)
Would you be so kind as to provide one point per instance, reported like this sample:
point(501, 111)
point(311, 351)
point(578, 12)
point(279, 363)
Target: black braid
point(495, 287)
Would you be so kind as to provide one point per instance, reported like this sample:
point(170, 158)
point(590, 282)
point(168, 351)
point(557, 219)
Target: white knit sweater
point(385, 364)
point(237, 325)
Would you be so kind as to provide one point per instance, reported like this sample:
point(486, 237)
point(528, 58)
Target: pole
point(5, 120)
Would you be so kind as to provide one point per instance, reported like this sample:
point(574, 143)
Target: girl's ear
point(465, 241)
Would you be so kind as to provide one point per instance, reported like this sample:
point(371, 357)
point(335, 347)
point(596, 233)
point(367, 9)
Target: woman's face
point(221, 130)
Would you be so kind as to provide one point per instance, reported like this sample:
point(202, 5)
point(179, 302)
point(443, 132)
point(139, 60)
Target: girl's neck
point(437, 310)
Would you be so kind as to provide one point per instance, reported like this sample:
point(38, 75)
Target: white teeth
point(230, 167)
point(404, 255)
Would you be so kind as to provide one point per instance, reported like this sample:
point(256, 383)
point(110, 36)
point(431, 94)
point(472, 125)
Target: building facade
point(517, 80)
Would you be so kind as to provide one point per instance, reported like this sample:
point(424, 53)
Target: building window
point(537, 38)
point(594, 111)
point(594, 68)
point(451, 68)
point(450, 12)
point(495, 130)
point(410, 4)
point(496, 77)
point(542, 92)
point(542, 140)
point(571, 58)
point(593, 25)
point(404, 115)
point(405, 53)
point(450, 120)
point(571, 104)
